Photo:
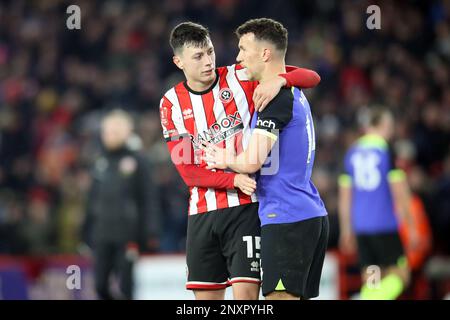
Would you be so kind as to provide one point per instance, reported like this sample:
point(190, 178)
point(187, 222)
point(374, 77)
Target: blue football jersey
point(285, 191)
point(368, 165)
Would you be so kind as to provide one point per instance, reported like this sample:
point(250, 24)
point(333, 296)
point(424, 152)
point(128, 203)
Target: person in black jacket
point(122, 208)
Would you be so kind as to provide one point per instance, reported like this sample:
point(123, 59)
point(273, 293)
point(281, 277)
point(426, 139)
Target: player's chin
point(208, 76)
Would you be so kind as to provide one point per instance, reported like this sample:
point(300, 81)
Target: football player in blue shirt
point(371, 193)
point(294, 222)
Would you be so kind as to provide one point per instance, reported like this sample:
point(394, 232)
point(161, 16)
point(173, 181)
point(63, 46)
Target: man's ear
point(178, 62)
point(266, 54)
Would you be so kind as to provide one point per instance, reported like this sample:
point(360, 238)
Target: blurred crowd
point(56, 83)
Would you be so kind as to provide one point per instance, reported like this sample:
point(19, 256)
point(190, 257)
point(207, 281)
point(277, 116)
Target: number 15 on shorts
point(253, 246)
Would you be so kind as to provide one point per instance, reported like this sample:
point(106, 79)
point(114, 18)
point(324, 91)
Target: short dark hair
point(376, 114)
point(189, 33)
point(266, 29)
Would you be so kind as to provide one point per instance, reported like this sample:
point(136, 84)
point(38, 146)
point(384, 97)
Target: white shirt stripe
point(233, 198)
point(177, 116)
point(243, 108)
point(219, 110)
point(220, 113)
point(193, 201)
point(241, 104)
point(202, 126)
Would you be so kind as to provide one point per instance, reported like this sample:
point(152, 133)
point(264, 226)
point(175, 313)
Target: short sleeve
point(345, 178)
point(394, 173)
point(277, 114)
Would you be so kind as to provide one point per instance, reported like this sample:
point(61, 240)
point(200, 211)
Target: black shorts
point(292, 256)
point(223, 247)
point(384, 249)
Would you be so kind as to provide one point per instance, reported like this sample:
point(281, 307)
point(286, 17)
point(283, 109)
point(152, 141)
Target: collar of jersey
point(372, 140)
point(204, 91)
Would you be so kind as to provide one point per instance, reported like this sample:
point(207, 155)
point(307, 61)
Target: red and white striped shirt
point(214, 115)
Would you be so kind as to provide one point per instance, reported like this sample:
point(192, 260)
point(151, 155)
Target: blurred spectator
point(172, 191)
point(122, 217)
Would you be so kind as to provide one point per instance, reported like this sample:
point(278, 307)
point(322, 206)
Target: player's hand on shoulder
point(266, 91)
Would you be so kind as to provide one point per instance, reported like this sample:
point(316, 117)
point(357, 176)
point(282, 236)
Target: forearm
point(403, 209)
point(345, 221)
point(300, 77)
point(243, 164)
point(344, 218)
point(344, 209)
point(243, 168)
point(402, 197)
point(193, 175)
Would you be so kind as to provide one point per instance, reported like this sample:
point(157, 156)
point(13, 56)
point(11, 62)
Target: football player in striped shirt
point(371, 193)
point(294, 222)
point(223, 236)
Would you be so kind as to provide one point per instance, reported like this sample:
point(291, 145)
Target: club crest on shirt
point(127, 165)
point(163, 114)
point(225, 95)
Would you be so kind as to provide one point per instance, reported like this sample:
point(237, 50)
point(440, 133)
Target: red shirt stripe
point(231, 108)
point(208, 107)
point(189, 123)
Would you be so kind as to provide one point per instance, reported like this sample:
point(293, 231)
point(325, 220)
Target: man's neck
point(200, 86)
point(375, 132)
point(272, 70)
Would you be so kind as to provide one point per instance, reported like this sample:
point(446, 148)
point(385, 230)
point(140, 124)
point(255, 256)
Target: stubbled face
point(197, 63)
point(250, 56)
point(115, 132)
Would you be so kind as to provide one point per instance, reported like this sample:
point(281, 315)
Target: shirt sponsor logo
point(269, 124)
point(218, 131)
point(188, 114)
point(170, 133)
